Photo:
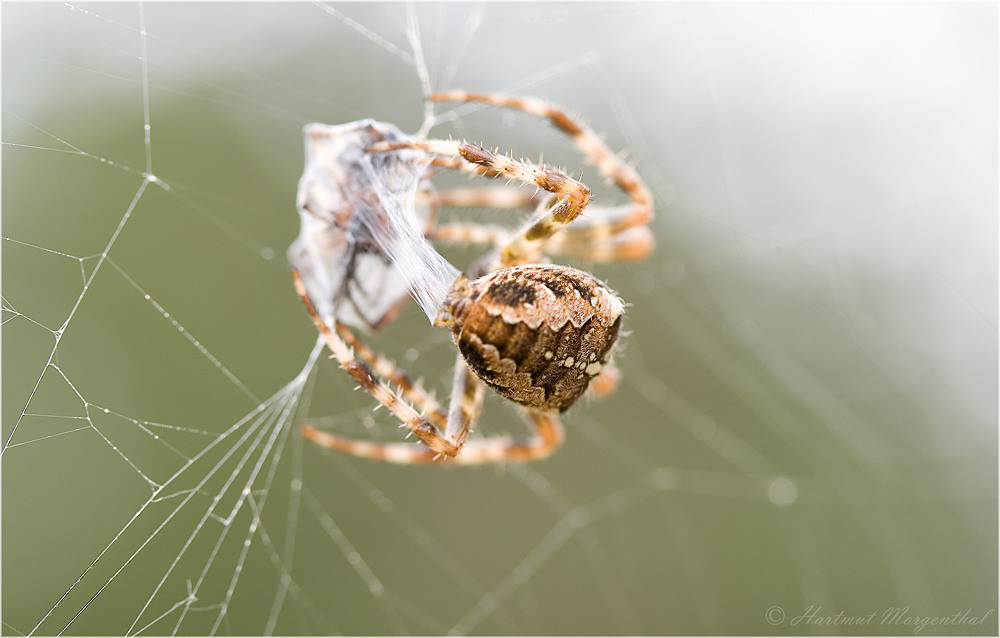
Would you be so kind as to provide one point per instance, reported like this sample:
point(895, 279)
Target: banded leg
point(610, 165)
point(475, 233)
point(602, 234)
point(466, 403)
point(461, 232)
point(548, 437)
point(467, 396)
point(572, 196)
point(412, 390)
point(596, 241)
point(586, 140)
point(424, 429)
point(581, 240)
point(505, 197)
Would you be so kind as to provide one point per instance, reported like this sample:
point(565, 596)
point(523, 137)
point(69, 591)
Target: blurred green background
point(806, 426)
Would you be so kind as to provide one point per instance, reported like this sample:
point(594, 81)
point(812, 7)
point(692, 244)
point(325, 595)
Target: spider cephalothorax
point(538, 334)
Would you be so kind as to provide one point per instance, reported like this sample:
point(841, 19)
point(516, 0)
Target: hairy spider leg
point(573, 196)
point(586, 140)
point(425, 430)
point(412, 389)
point(596, 235)
point(549, 436)
point(466, 402)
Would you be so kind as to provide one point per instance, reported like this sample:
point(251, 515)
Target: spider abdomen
point(537, 334)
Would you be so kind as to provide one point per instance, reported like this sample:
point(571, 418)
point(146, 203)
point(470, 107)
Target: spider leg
point(403, 453)
point(387, 369)
point(504, 197)
point(461, 232)
point(470, 233)
point(572, 196)
point(601, 235)
point(585, 139)
point(364, 375)
point(598, 242)
point(466, 398)
point(588, 238)
point(610, 165)
point(548, 436)
point(466, 404)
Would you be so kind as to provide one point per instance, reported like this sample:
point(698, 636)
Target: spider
point(536, 333)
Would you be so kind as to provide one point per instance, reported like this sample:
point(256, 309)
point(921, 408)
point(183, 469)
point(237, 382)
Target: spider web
point(807, 418)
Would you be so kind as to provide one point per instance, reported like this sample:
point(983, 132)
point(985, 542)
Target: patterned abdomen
point(537, 334)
